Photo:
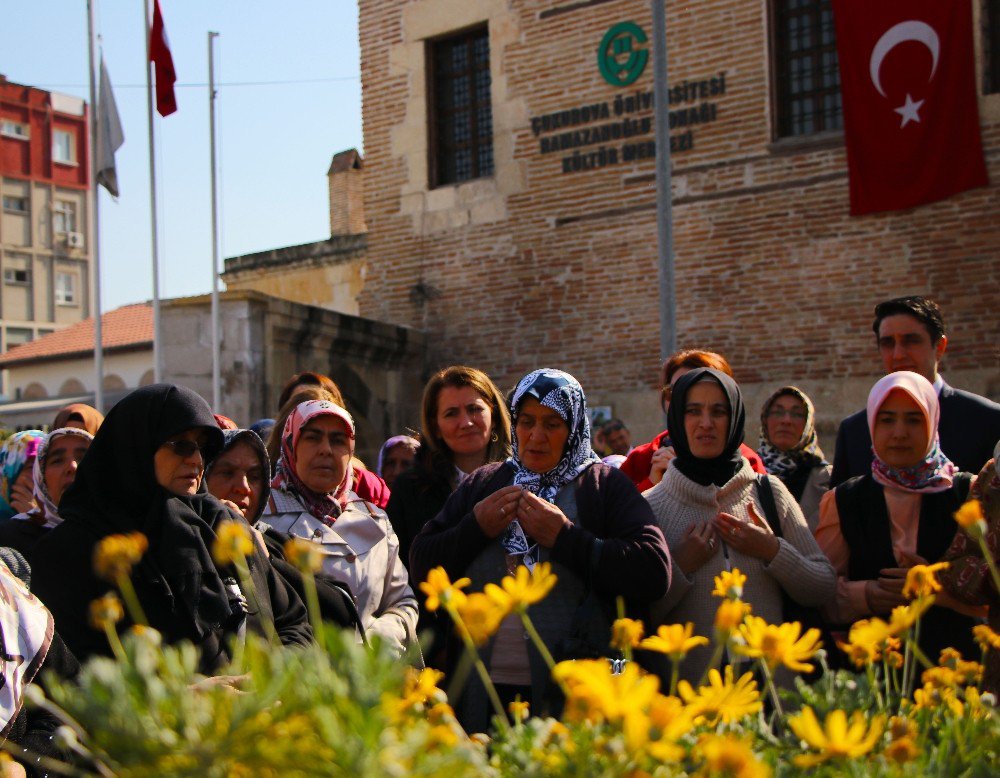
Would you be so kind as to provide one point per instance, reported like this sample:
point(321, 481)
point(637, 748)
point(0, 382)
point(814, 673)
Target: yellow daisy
point(481, 616)
point(116, 555)
point(626, 633)
point(232, 543)
point(526, 587)
point(730, 756)
point(440, 590)
point(674, 639)
point(722, 700)
point(837, 738)
point(729, 584)
point(921, 580)
point(778, 643)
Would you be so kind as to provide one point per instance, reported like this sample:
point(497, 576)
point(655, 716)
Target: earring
point(494, 438)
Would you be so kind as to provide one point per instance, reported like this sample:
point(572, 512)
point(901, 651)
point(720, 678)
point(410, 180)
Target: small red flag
point(163, 62)
point(911, 120)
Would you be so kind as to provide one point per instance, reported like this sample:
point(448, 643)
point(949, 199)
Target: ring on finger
point(503, 510)
point(732, 531)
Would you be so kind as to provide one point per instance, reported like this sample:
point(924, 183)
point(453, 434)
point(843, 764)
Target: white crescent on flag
point(912, 30)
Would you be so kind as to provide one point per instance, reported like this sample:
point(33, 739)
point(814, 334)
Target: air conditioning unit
point(74, 240)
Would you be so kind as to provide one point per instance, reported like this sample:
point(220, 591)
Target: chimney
point(347, 208)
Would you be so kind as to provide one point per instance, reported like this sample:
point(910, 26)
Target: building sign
point(622, 128)
point(622, 55)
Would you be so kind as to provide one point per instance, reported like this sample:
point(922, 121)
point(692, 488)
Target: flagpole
point(95, 223)
point(664, 190)
point(157, 368)
point(216, 335)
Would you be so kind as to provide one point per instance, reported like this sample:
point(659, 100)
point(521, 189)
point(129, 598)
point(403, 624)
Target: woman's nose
point(242, 485)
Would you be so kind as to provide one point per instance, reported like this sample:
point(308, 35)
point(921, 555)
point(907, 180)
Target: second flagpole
point(157, 356)
point(216, 335)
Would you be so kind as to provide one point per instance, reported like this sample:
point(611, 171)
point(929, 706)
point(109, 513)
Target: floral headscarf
point(47, 510)
point(562, 393)
point(14, 455)
point(806, 453)
point(934, 472)
point(326, 507)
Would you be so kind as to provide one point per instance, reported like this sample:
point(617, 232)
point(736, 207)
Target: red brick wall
point(770, 268)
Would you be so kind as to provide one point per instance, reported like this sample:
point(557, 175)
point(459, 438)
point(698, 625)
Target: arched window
point(113, 383)
point(34, 391)
point(147, 378)
point(70, 387)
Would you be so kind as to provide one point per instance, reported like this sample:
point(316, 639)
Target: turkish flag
point(908, 82)
point(163, 62)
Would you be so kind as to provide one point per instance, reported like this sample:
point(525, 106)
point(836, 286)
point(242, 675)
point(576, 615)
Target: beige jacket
point(361, 550)
point(799, 567)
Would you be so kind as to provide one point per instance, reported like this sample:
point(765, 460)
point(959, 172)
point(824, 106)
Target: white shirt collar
point(938, 383)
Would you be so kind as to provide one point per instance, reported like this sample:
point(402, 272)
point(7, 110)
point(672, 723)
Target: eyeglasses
point(780, 413)
point(185, 448)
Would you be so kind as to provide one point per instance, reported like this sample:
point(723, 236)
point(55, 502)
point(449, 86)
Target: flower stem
point(873, 683)
point(772, 689)
point(537, 640)
point(247, 584)
point(675, 670)
point(115, 642)
point(131, 600)
point(991, 563)
point(720, 646)
point(477, 662)
point(312, 603)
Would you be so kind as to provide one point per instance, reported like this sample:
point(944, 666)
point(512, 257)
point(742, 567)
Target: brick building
point(510, 198)
point(45, 248)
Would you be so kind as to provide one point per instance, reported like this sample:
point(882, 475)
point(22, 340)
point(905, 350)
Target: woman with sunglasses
point(790, 449)
point(143, 473)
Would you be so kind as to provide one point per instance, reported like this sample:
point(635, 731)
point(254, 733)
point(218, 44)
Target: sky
point(288, 98)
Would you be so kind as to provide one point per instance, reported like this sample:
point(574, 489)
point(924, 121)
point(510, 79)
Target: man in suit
point(910, 335)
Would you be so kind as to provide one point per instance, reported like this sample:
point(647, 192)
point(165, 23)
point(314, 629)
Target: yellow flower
point(970, 517)
point(626, 633)
point(481, 616)
point(674, 640)
point(729, 584)
point(106, 611)
point(964, 672)
point(232, 543)
point(722, 699)
point(419, 688)
point(440, 590)
point(903, 617)
point(730, 756)
point(921, 581)
point(730, 615)
point(518, 710)
point(116, 555)
point(442, 735)
point(303, 555)
point(837, 738)
point(656, 728)
point(526, 587)
point(986, 637)
point(594, 694)
point(902, 750)
point(778, 644)
point(868, 640)
point(901, 727)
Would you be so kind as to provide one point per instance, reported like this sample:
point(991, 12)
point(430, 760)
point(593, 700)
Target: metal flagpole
point(216, 335)
point(157, 368)
point(95, 221)
point(664, 194)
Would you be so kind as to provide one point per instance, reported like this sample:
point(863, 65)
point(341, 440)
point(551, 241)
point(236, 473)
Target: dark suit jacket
point(969, 429)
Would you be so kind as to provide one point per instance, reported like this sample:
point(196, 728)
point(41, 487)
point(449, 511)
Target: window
point(63, 217)
point(461, 113)
point(65, 289)
point(15, 204)
point(63, 147)
point(17, 270)
point(806, 75)
point(18, 335)
point(992, 79)
point(12, 129)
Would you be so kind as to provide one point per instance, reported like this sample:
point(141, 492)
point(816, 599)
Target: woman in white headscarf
point(58, 456)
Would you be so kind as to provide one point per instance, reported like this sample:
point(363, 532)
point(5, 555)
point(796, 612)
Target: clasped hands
point(884, 593)
point(541, 520)
point(700, 542)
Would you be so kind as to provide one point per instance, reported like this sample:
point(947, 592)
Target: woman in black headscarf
point(143, 473)
point(710, 507)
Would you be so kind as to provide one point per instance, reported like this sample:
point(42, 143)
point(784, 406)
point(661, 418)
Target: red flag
point(159, 55)
point(911, 121)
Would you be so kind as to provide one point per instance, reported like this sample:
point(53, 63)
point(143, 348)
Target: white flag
point(109, 134)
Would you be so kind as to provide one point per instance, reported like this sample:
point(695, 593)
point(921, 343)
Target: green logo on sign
point(620, 57)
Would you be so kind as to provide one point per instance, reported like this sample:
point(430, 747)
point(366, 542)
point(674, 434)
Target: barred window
point(992, 30)
point(461, 113)
point(806, 74)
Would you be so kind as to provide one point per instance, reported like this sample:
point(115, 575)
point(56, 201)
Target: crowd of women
point(487, 485)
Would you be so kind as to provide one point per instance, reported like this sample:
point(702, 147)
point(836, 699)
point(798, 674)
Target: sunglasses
point(186, 448)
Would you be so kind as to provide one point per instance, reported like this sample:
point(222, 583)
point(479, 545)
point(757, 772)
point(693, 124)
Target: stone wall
point(536, 267)
point(265, 340)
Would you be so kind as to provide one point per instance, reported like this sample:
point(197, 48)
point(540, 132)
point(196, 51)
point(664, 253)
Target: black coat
point(969, 429)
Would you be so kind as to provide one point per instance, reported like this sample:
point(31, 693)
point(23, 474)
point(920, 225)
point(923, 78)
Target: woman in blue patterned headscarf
point(17, 455)
point(553, 501)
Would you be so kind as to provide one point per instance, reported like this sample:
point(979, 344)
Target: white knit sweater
point(799, 566)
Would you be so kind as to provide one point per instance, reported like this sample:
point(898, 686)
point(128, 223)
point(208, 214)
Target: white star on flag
point(909, 111)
